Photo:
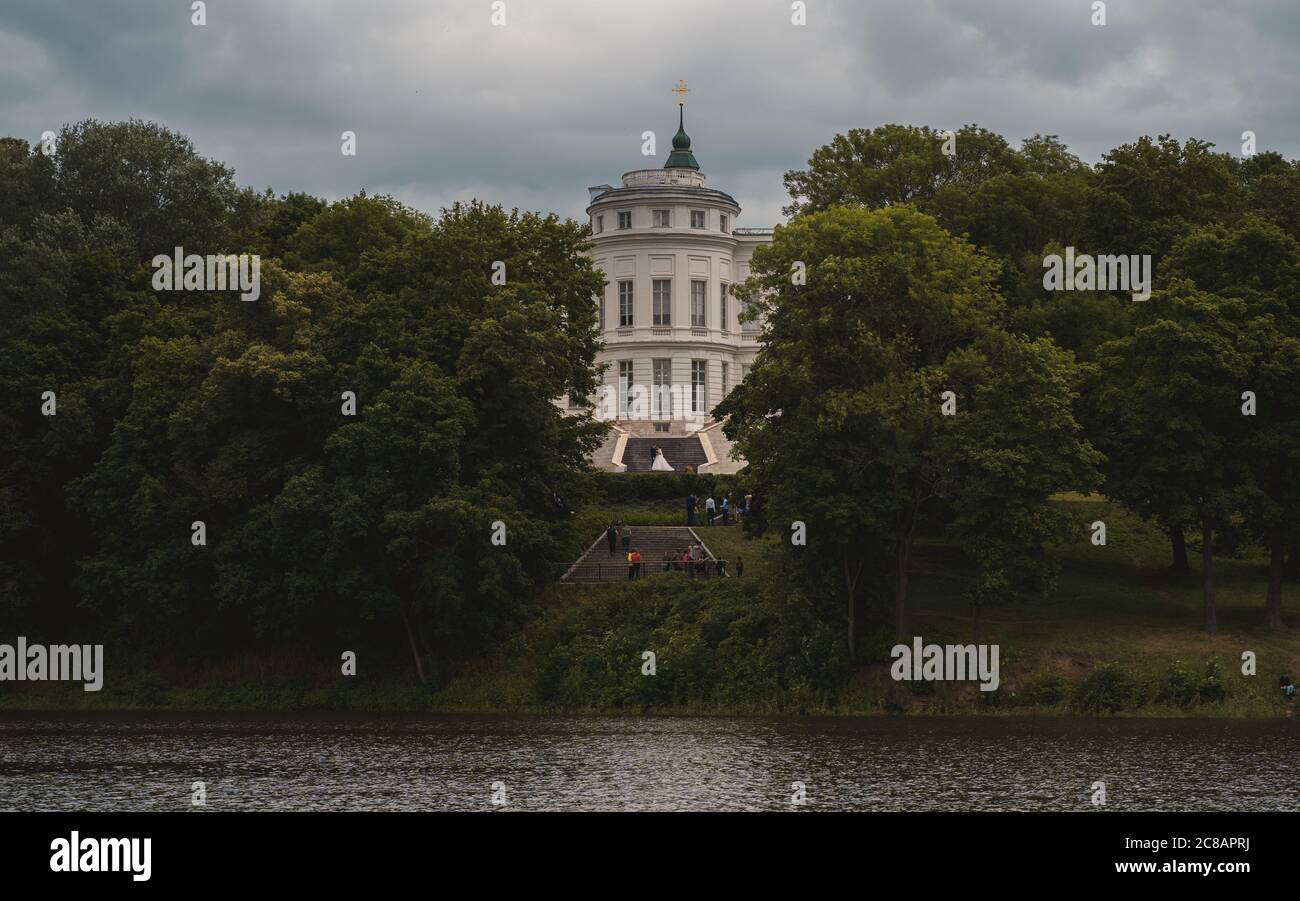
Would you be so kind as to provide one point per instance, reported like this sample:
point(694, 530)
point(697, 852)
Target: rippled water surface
point(600, 763)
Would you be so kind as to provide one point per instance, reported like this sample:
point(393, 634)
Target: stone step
point(598, 565)
point(679, 452)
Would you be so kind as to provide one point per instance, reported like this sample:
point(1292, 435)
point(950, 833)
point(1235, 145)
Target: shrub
point(1045, 688)
point(621, 487)
point(1183, 686)
point(716, 642)
point(1107, 689)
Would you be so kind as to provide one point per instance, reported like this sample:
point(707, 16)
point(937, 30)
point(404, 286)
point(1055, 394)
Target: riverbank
point(1122, 636)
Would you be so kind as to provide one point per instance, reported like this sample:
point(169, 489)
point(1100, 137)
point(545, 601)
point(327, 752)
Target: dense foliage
point(129, 414)
point(914, 266)
point(324, 526)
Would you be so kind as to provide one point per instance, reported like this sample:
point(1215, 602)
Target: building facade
point(670, 251)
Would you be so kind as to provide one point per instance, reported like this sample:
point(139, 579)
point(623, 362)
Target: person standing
point(726, 511)
point(611, 535)
point(690, 509)
point(740, 566)
point(636, 564)
point(626, 532)
point(709, 507)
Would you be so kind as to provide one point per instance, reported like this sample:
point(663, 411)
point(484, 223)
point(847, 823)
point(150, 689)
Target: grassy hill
point(1121, 634)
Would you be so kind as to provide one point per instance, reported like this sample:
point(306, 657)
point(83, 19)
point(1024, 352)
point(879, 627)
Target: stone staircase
point(679, 452)
point(598, 565)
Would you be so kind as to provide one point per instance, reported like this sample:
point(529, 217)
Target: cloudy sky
point(447, 106)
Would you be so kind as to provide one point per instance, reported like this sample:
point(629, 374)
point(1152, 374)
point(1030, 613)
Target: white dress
point(660, 464)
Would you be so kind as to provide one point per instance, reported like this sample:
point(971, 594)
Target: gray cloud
point(448, 107)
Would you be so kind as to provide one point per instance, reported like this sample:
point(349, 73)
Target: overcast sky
point(446, 106)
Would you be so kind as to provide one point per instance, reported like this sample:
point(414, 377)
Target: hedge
point(620, 487)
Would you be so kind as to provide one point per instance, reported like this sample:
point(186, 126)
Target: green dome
point(681, 157)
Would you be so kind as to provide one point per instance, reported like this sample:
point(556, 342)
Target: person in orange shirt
point(634, 564)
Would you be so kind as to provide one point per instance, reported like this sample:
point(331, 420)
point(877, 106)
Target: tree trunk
point(1207, 578)
point(1276, 564)
point(1179, 541)
point(1293, 561)
point(415, 651)
point(903, 557)
point(428, 652)
point(900, 591)
point(850, 593)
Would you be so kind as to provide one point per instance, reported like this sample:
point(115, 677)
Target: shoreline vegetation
point(1119, 638)
point(370, 459)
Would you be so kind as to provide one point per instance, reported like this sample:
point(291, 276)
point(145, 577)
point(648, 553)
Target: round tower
point(670, 252)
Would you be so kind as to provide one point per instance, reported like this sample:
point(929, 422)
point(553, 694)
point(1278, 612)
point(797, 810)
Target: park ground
point(1121, 635)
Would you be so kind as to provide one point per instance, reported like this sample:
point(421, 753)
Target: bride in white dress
point(660, 464)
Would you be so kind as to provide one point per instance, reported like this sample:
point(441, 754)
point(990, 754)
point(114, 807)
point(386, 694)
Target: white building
point(674, 344)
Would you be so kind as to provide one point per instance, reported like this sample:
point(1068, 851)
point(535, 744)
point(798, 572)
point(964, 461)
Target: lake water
point(148, 762)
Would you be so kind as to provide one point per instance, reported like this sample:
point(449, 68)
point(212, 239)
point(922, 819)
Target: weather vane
point(681, 91)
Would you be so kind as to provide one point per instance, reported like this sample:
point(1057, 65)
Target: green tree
point(1257, 262)
point(840, 416)
point(1171, 396)
point(895, 164)
point(1013, 444)
point(151, 180)
point(323, 526)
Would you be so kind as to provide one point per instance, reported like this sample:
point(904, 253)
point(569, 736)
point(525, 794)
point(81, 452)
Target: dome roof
point(681, 157)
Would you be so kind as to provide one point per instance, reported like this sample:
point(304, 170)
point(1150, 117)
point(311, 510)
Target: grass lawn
point(1114, 603)
point(1117, 602)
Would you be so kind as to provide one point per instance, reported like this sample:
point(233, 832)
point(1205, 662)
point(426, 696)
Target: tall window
point(663, 302)
point(602, 311)
point(722, 308)
point(748, 325)
point(724, 379)
point(625, 219)
point(625, 385)
point(723, 223)
point(625, 304)
point(699, 297)
point(600, 224)
point(663, 382)
point(699, 385)
point(662, 218)
point(697, 218)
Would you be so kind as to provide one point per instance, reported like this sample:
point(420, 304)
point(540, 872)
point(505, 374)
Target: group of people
point(726, 511)
point(691, 559)
point(619, 535)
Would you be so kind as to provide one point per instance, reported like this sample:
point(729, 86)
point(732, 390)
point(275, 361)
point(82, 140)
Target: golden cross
point(681, 91)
